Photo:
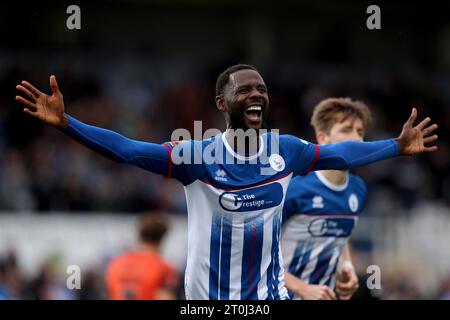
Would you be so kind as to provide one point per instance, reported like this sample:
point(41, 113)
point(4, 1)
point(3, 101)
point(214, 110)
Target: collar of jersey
point(332, 186)
point(238, 156)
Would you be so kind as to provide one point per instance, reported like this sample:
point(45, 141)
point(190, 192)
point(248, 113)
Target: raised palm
point(416, 140)
point(49, 109)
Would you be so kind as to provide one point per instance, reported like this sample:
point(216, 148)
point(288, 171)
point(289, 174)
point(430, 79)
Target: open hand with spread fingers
point(416, 140)
point(49, 109)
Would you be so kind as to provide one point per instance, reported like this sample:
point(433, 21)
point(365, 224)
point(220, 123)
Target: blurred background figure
point(444, 290)
point(142, 274)
point(49, 282)
point(10, 277)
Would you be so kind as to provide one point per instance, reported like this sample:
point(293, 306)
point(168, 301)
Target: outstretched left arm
point(351, 154)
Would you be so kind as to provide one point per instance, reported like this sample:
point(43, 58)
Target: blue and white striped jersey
point(234, 218)
point(234, 203)
point(318, 218)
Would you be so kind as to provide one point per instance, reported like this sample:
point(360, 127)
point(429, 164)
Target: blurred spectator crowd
point(42, 170)
point(49, 283)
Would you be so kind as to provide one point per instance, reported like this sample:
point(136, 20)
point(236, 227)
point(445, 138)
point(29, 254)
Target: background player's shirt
point(318, 218)
point(139, 275)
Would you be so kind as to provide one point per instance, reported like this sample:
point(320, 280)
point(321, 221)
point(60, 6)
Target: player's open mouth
point(254, 112)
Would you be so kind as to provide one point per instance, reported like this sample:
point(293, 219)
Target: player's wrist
point(346, 264)
point(399, 142)
point(64, 121)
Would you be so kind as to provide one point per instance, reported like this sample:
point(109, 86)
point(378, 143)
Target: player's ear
point(321, 137)
point(220, 102)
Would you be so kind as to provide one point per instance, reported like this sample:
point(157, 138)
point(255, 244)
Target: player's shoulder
point(356, 179)
point(182, 146)
point(212, 139)
point(309, 178)
point(288, 138)
point(117, 262)
point(174, 143)
point(304, 185)
point(292, 147)
point(357, 182)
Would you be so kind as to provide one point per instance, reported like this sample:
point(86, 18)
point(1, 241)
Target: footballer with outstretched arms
point(321, 210)
point(234, 207)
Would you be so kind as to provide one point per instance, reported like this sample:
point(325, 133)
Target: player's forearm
point(149, 156)
point(106, 142)
point(345, 260)
point(351, 154)
point(293, 283)
point(345, 257)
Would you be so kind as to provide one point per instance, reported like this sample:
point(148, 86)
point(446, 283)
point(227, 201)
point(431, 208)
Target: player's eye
point(262, 89)
point(243, 91)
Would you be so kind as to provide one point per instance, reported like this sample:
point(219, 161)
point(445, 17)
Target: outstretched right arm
point(149, 156)
point(50, 109)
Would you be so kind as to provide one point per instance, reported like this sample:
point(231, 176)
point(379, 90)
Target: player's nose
point(255, 95)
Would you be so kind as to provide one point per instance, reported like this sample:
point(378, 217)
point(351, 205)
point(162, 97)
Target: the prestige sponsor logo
point(331, 227)
point(257, 198)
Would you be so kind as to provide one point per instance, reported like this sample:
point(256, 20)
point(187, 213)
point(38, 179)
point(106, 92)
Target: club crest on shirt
point(277, 162)
point(353, 202)
point(317, 202)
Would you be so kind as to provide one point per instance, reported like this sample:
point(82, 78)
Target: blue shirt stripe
point(274, 267)
point(216, 231)
point(251, 257)
point(332, 274)
point(323, 262)
point(305, 259)
point(225, 253)
point(298, 254)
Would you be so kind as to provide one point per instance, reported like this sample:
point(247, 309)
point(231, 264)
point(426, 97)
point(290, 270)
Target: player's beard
point(237, 119)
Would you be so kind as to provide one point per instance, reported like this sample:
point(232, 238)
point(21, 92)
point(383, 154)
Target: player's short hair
point(152, 227)
point(224, 77)
point(336, 110)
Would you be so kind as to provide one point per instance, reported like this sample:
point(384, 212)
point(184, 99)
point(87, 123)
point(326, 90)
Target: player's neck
point(149, 247)
point(244, 146)
point(336, 177)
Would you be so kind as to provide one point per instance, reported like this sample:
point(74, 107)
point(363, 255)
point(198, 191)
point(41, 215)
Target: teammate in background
point(234, 201)
point(142, 274)
point(321, 210)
